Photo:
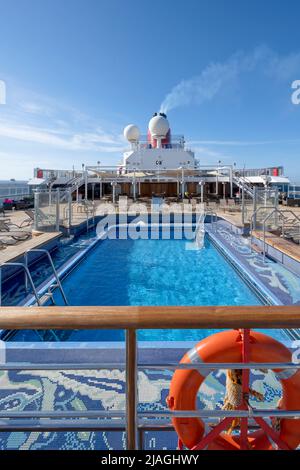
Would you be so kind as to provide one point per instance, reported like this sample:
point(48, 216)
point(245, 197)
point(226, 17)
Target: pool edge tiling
point(279, 283)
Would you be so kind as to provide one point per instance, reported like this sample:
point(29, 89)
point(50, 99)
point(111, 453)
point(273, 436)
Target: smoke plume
point(216, 76)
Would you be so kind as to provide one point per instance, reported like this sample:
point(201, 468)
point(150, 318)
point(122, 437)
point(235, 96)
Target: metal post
point(243, 204)
point(36, 210)
point(231, 182)
point(57, 209)
point(254, 206)
point(134, 186)
point(70, 211)
point(245, 387)
point(224, 191)
point(93, 191)
point(201, 184)
point(26, 264)
point(264, 241)
point(114, 191)
point(86, 184)
point(50, 194)
point(182, 183)
point(77, 194)
point(100, 188)
point(131, 390)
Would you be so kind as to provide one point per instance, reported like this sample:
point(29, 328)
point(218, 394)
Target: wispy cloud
point(50, 123)
point(209, 155)
point(217, 75)
point(94, 141)
point(35, 108)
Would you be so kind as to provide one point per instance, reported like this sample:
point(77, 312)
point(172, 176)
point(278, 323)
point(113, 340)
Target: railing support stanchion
point(57, 216)
point(131, 390)
point(245, 387)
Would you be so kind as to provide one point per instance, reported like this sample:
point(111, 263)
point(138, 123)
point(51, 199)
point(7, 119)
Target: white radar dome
point(158, 126)
point(131, 133)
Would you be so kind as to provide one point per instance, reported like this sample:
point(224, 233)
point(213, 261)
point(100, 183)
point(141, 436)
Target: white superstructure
point(158, 150)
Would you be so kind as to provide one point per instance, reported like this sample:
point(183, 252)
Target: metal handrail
point(202, 413)
point(274, 211)
point(281, 216)
point(255, 214)
point(241, 182)
point(46, 252)
point(89, 209)
point(134, 318)
point(145, 366)
point(27, 275)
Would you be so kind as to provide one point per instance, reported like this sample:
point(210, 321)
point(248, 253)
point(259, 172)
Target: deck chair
point(212, 205)
point(7, 242)
point(8, 230)
point(223, 204)
point(232, 206)
point(29, 220)
point(18, 235)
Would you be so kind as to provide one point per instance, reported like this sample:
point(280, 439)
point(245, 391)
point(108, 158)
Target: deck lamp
point(114, 184)
point(202, 184)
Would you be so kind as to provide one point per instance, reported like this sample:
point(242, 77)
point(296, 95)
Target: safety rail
point(89, 209)
point(280, 215)
point(254, 215)
point(244, 184)
point(132, 319)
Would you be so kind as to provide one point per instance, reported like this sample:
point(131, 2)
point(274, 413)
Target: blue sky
point(78, 71)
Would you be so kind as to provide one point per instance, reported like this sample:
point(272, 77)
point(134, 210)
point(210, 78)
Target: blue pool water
point(156, 272)
point(152, 272)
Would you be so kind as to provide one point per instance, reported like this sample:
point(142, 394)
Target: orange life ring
point(227, 347)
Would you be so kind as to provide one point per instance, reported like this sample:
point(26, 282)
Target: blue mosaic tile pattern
point(283, 284)
point(104, 390)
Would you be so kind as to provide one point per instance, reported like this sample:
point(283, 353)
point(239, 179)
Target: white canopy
point(272, 180)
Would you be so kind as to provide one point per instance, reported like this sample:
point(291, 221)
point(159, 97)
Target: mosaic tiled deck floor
point(282, 284)
point(104, 389)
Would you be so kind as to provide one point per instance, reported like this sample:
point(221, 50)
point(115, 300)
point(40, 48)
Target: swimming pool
point(151, 272)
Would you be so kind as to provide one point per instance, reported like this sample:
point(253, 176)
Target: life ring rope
point(235, 397)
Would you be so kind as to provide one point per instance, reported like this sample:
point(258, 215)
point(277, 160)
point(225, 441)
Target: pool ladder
point(49, 295)
point(45, 297)
point(48, 335)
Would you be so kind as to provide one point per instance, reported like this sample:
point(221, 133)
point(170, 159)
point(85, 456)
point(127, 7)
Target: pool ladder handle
point(28, 277)
point(50, 294)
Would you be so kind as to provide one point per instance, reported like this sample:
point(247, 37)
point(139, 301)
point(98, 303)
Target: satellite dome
point(159, 125)
point(131, 133)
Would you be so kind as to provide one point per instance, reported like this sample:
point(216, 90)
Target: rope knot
point(234, 397)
